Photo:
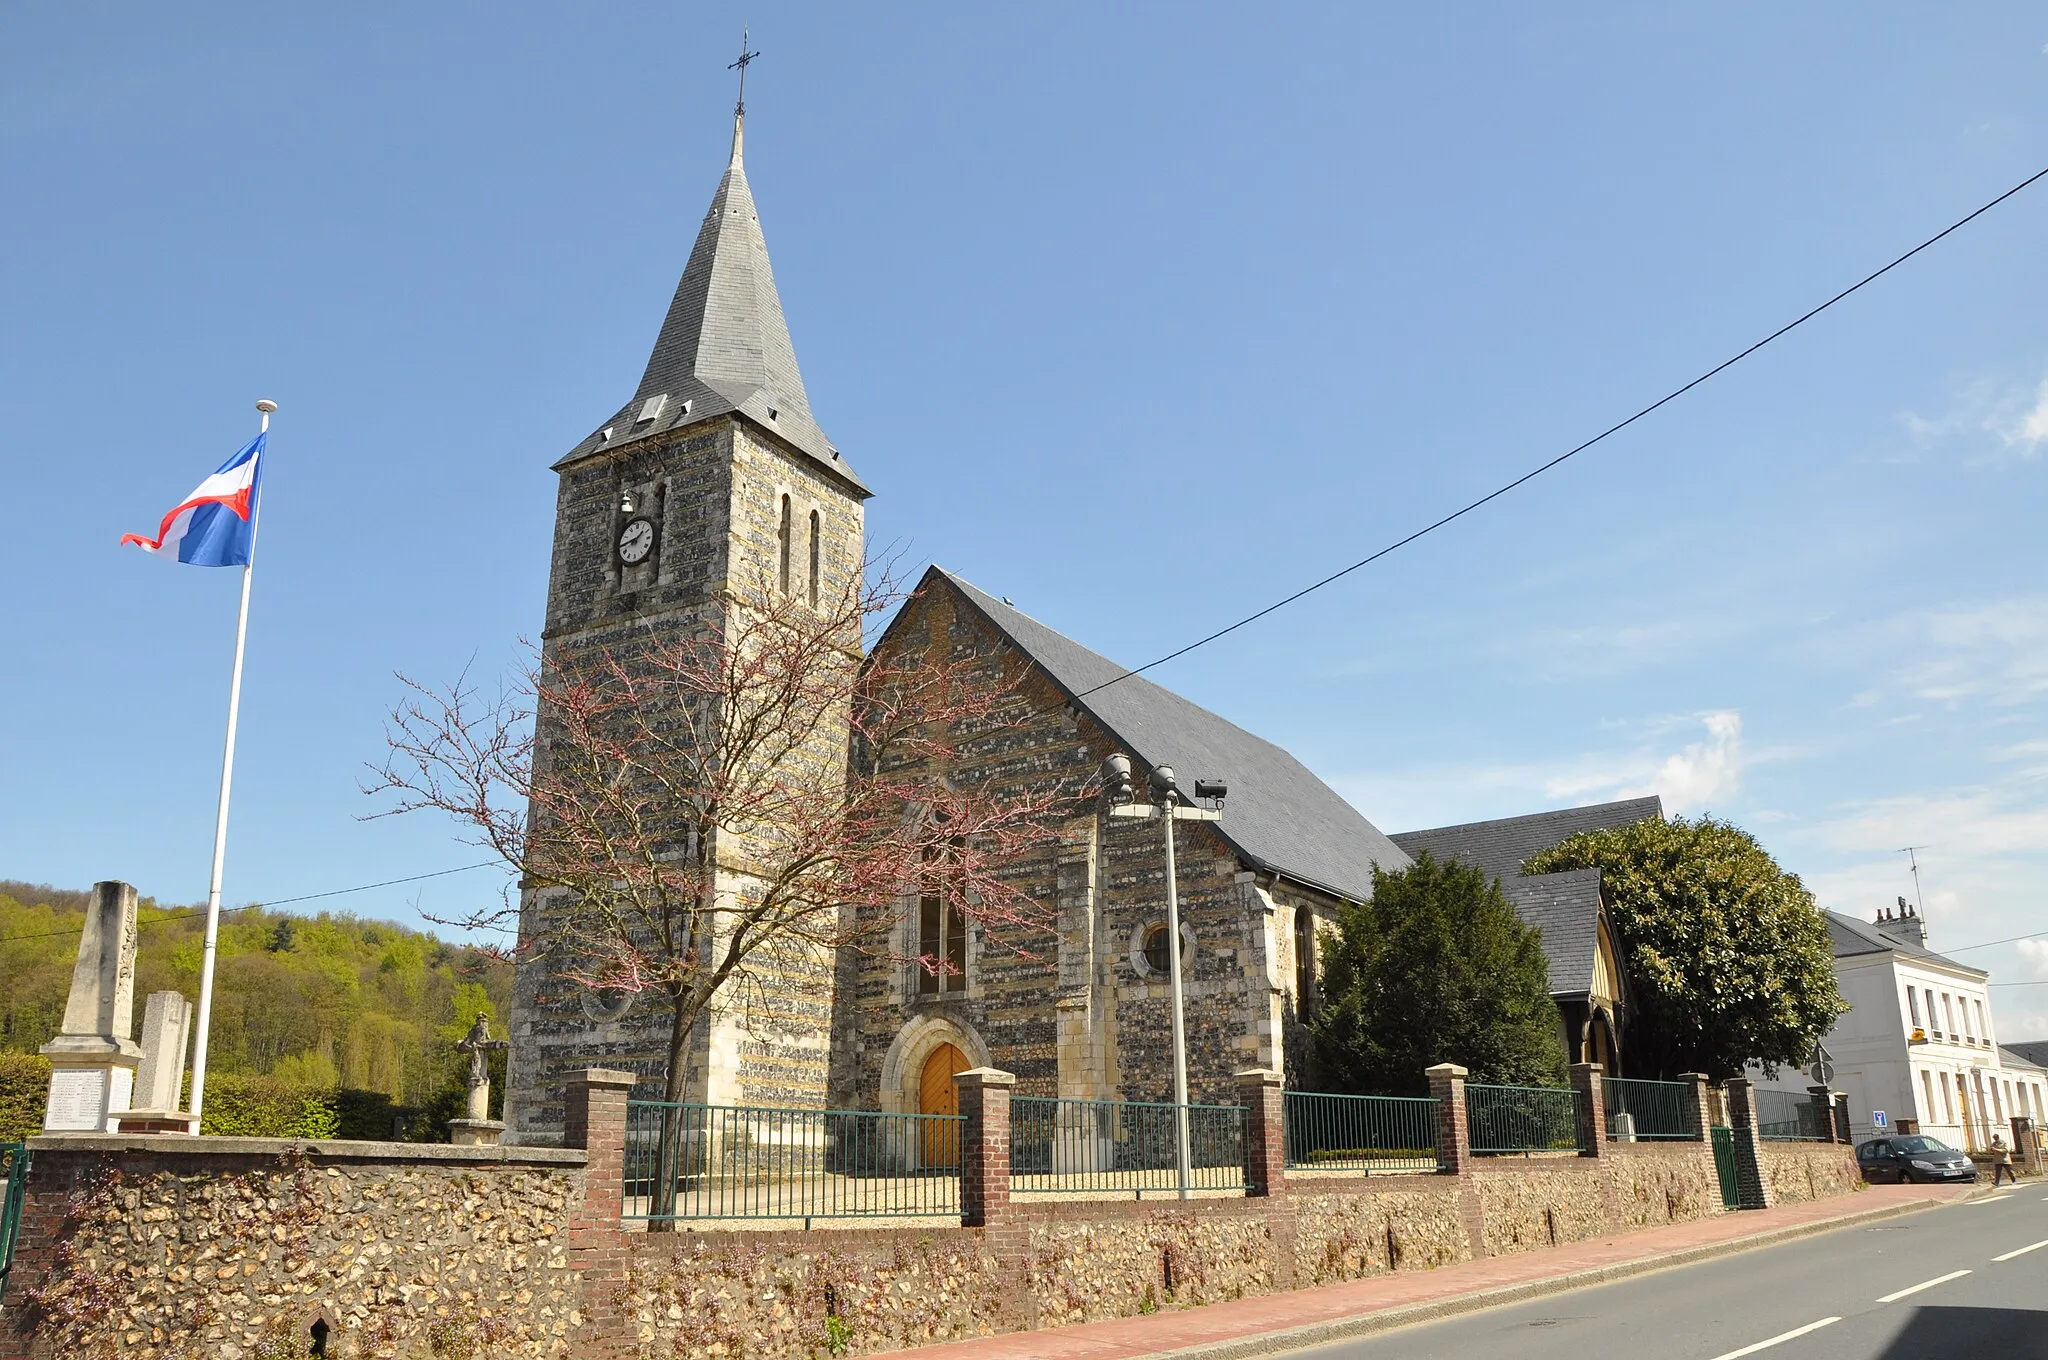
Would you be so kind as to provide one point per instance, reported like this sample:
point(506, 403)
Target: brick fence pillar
point(1824, 1099)
point(1592, 1107)
point(1453, 1132)
point(1752, 1190)
point(2026, 1147)
point(595, 1121)
point(1265, 1131)
point(1702, 1105)
point(984, 1145)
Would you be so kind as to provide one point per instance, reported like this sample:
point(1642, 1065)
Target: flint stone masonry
point(1803, 1171)
point(163, 1249)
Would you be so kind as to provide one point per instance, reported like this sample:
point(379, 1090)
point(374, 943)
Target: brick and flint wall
point(166, 1248)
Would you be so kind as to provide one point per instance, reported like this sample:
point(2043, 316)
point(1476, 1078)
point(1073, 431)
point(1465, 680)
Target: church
point(717, 471)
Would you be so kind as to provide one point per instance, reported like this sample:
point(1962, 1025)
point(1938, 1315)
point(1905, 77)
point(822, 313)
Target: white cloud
point(2031, 431)
point(1991, 651)
point(2015, 417)
point(1689, 779)
point(1704, 771)
point(2034, 954)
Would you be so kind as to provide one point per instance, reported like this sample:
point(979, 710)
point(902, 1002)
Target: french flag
point(215, 526)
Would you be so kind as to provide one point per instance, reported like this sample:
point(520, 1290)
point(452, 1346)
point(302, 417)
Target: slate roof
point(1279, 816)
point(1500, 847)
point(2033, 1055)
point(724, 346)
point(1852, 937)
point(1566, 906)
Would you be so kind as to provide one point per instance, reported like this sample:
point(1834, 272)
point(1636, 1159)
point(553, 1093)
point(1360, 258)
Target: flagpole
point(220, 820)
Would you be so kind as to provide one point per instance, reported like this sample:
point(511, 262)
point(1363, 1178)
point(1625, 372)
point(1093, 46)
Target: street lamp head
point(1116, 778)
point(1162, 781)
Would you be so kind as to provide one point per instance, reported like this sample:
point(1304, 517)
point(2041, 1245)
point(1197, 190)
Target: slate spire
point(724, 346)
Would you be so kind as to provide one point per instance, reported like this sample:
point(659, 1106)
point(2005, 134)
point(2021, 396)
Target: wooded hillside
point(315, 1001)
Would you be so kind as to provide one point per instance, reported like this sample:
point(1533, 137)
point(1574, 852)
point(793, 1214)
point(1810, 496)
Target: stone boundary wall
point(168, 1248)
point(1803, 1171)
point(171, 1248)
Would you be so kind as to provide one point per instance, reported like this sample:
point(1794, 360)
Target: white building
point(1917, 1042)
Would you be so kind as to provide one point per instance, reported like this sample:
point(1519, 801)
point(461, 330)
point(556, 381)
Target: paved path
point(1260, 1325)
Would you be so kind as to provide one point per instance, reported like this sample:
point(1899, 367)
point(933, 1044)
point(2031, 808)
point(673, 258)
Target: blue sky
point(1140, 315)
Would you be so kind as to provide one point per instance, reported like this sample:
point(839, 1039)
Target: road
point(1918, 1287)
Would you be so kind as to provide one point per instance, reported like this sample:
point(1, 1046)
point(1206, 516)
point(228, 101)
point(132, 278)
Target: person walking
point(2001, 1162)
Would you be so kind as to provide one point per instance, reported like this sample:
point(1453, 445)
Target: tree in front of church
point(1435, 968)
point(1727, 956)
point(705, 819)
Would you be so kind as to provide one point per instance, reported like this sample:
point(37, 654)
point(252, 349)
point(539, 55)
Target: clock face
point(636, 540)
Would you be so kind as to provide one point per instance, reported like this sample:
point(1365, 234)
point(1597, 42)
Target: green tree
point(1727, 958)
point(1436, 968)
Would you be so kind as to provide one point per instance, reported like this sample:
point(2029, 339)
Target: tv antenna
point(1919, 902)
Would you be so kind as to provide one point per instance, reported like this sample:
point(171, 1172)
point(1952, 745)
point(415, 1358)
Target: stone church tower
point(713, 481)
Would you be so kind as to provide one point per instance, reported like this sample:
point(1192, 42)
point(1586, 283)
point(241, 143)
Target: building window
point(1913, 1006)
point(941, 933)
point(1933, 1017)
point(1927, 1085)
point(1157, 957)
point(814, 559)
point(782, 546)
point(1304, 958)
point(1963, 1005)
point(1982, 1028)
point(1949, 1014)
point(1948, 1109)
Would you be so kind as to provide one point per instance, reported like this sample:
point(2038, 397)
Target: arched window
point(1304, 958)
point(941, 930)
point(782, 544)
point(814, 559)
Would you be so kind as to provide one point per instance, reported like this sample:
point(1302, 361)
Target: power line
point(262, 906)
point(1614, 429)
point(2014, 939)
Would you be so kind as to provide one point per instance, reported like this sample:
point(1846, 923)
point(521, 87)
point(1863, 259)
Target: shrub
point(24, 1094)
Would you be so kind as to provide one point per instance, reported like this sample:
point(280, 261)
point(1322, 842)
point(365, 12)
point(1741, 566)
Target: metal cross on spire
point(740, 109)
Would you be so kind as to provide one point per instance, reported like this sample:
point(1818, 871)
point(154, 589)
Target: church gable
point(1279, 817)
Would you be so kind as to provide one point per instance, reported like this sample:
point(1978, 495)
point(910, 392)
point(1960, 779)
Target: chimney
point(1905, 926)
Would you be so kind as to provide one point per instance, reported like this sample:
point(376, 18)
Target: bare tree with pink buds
point(730, 804)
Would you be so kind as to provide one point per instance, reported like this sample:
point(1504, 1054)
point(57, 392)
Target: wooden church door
point(938, 1095)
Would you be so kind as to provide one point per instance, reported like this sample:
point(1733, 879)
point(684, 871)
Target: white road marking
point(1787, 1336)
point(2023, 1250)
point(1924, 1284)
point(1994, 1199)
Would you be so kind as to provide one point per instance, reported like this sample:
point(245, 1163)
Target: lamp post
point(1116, 774)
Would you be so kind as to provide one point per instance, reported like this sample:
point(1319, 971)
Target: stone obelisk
point(94, 1057)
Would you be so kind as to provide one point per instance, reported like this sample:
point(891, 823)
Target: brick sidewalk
point(1308, 1316)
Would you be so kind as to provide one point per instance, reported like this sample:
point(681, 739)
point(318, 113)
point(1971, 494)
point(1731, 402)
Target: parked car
point(1912, 1157)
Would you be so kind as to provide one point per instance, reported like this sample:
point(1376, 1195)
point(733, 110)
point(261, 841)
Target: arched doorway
point(936, 1094)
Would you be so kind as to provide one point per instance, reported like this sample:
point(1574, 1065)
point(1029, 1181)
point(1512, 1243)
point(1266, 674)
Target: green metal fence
point(1359, 1133)
point(1121, 1147)
point(1788, 1116)
point(14, 1160)
point(737, 1161)
point(1521, 1118)
point(1652, 1109)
